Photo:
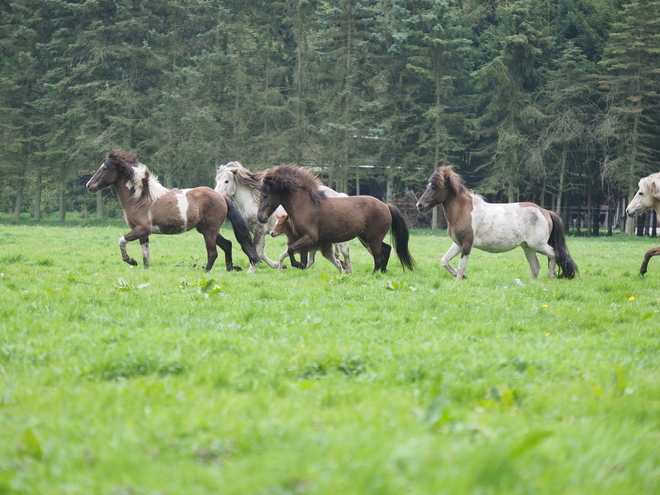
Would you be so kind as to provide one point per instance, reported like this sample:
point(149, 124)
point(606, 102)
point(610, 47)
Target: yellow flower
point(547, 334)
point(544, 305)
point(631, 298)
point(302, 345)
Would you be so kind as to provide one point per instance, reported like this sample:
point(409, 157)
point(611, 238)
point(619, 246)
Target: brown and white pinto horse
point(319, 219)
point(495, 228)
point(150, 208)
point(330, 251)
point(646, 198)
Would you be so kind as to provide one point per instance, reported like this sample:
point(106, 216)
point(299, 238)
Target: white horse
point(648, 197)
point(236, 181)
point(495, 228)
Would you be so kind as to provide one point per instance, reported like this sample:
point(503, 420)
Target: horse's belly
point(495, 243)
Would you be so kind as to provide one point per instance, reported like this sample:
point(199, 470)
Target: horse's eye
point(227, 181)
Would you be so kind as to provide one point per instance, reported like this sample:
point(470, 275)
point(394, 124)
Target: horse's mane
point(289, 178)
point(446, 178)
point(146, 185)
point(646, 185)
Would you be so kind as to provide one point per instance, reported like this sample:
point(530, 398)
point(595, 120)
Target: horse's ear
point(655, 189)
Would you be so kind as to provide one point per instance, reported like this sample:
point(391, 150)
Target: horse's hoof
point(235, 268)
point(131, 262)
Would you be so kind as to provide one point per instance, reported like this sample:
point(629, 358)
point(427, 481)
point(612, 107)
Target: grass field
point(119, 380)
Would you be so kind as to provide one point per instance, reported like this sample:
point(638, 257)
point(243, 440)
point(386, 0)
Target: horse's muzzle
point(262, 218)
point(421, 208)
point(91, 188)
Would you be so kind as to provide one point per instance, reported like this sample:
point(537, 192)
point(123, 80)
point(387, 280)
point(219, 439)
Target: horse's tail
point(400, 236)
point(241, 231)
point(557, 240)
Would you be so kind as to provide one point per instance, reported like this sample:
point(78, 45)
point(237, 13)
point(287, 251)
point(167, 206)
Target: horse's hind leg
point(345, 250)
point(533, 261)
point(649, 254)
point(225, 245)
point(386, 250)
point(328, 252)
point(259, 237)
point(211, 251)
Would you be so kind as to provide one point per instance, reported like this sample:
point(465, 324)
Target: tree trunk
point(62, 194)
point(37, 195)
point(19, 197)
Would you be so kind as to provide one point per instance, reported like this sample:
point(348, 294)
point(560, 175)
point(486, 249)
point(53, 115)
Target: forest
point(551, 101)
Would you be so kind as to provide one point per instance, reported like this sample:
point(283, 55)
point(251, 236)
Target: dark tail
point(400, 238)
point(565, 263)
point(241, 231)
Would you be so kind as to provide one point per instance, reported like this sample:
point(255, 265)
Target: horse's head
point(647, 197)
point(442, 183)
point(269, 200)
point(225, 181)
point(117, 164)
point(280, 226)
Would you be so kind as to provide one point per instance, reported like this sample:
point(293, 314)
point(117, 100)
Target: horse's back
point(347, 217)
point(500, 227)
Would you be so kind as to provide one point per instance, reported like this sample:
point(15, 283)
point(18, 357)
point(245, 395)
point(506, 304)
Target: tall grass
point(120, 380)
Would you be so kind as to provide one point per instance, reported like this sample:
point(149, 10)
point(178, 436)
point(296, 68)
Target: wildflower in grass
point(302, 345)
point(544, 305)
point(631, 298)
point(547, 334)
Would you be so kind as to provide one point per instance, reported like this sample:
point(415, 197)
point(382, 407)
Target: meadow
point(119, 380)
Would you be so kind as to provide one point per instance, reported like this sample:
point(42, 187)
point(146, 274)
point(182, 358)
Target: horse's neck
point(124, 193)
point(245, 198)
point(457, 206)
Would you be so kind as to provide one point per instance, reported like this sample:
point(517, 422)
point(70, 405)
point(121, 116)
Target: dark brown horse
point(319, 219)
point(150, 208)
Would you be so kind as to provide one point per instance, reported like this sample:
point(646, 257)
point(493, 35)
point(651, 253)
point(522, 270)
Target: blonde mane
point(146, 187)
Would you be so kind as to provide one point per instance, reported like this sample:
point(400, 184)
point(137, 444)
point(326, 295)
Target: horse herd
point(292, 201)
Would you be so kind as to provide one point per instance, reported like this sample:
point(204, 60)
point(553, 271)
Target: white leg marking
point(533, 261)
point(451, 253)
point(145, 254)
point(461, 267)
point(122, 248)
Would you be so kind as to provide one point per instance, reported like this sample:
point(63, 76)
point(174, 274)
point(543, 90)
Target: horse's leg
point(280, 264)
point(647, 256)
point(533, 261)
point(311, 256)
point(211, 251)
point(346, 252)
point(375, 248)
point(328, 252)
point(225, 245)
point(136, 233)
point(386, 250)
point(144, 244)
point(259, 237)
point(451, 253)
point(546, 250)
point(460, 271)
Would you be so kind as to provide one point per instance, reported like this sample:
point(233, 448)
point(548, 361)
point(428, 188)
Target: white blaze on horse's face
point(97, 181)
point(424, 203)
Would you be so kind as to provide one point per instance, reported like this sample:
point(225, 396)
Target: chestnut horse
point(330, 251)
point(319, 219)
point(646, 198)
point(150, 208)
point(495, 228)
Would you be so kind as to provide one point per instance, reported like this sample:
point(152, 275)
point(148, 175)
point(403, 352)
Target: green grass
point(120, 380)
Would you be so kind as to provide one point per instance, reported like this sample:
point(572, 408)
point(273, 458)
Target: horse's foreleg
point(301, 245)
point(451, 253)
point(144, 244)
point(225, 245)
point(460, 271)
point(259, 237)
point(647, 256)
point(533, 261)
point(136, 233)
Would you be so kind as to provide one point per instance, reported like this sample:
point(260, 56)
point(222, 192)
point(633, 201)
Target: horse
point(150, 208)
point(647, 197)
point(319, 219)
point(284, 225)
point(236, 181)
point(495, 228)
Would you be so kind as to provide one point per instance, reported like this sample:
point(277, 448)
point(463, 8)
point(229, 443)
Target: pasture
point(119, 380)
